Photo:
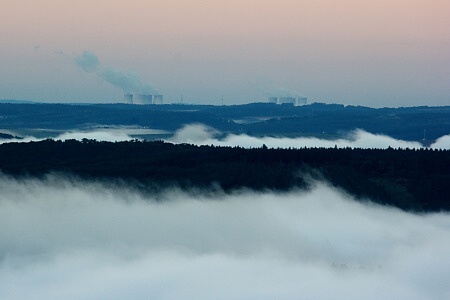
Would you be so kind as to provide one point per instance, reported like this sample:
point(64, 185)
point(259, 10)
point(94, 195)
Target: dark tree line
point(416, 180)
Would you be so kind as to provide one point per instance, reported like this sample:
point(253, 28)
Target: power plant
point(132, 98)
point(143, 99)
point(296, 101)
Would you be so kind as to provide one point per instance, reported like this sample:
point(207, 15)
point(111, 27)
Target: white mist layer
point(110, 135)
point(199, 134)
point(107, 136)
point(442, 143)
point(62, 239)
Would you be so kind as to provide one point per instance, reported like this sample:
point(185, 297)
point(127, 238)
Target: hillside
point(424, 124)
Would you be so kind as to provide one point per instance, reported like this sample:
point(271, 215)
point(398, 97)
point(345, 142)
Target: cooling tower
point(128, 98)
point(143, 99)
point(157, 99)
point(297, 101)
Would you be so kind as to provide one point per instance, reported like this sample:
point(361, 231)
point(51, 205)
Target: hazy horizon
point(372, 53)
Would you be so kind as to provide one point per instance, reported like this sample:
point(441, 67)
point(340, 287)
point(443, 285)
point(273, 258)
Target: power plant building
point(296, 101)
point(128, 98)
point(143, 99)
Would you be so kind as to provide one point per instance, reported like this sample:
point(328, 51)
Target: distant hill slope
point(331, 120)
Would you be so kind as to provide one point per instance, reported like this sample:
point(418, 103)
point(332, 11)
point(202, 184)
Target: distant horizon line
point(23, 101)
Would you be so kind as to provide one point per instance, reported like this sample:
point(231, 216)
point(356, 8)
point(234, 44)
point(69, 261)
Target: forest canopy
point(410, 179)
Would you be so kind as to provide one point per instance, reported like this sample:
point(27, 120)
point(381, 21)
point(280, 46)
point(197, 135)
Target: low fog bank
point(113, 135)
point(199, 134)
point(67, 239)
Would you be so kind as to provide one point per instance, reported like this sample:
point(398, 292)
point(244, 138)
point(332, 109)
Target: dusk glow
point(375, 53)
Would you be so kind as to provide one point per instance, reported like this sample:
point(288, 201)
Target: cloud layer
point(62, 238)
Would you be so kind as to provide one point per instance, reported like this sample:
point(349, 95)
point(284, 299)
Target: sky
point(373, 53)
point(315, 244)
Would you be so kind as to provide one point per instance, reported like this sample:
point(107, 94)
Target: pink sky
point(377, 53)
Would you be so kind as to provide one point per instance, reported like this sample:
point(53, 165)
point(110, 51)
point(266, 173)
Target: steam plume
point(129, 82)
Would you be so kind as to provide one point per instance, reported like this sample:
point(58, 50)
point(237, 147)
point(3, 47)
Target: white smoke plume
point(202, 135)
point(66, 239)
point(88, 61)
point(129, 82)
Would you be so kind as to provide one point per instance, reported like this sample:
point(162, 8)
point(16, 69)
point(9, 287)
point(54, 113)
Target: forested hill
point(322, 120)
point(416, 180)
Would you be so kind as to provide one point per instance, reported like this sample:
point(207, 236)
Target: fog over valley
point(129, 211)
point(199, 134)
point(72, 239)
